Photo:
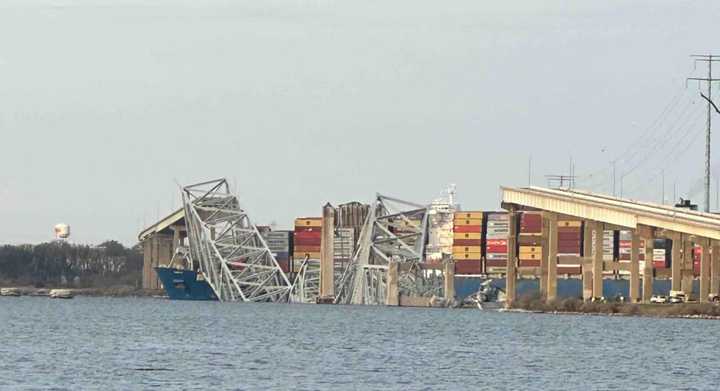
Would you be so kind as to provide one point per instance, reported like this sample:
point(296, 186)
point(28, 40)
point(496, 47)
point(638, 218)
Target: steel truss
point(394, 231)
point(232, 255)
point(306, 287)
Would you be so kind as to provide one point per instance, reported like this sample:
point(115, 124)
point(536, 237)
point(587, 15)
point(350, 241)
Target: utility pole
point(530, 170)
point(613, 175)
point(663, 188)
point(709, 59)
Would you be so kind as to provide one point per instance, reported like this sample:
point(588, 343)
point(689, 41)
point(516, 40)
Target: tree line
point(60, 263)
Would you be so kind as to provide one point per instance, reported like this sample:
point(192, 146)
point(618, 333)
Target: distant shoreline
point(116, 291)
point(692, 310)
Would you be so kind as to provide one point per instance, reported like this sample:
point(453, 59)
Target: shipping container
point(531, 223)
point(476, 222)
point(469, 215)
point(305, 222)
point(529, 263)
point(569, 269)
point(468, 267)
point(302, 255)
point(467, 249)
point(467, 228)
point(569, 224)
point(468, 242)
point(467, 256)
point(468, 235)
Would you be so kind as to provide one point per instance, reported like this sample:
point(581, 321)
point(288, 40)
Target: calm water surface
point(109, 343)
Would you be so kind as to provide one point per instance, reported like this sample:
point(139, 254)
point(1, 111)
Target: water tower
point(62, 231)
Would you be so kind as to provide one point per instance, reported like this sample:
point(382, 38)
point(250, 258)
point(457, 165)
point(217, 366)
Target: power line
point(651, 147)
point(709, 59)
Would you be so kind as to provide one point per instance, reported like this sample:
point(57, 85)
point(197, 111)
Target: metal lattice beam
point(231, 253)
point(394, 231)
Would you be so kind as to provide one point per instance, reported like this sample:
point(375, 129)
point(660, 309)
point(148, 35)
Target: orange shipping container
point(468, 215)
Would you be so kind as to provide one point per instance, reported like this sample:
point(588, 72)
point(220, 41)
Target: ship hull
point(182, 284)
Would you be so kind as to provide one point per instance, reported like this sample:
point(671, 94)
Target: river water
point(143, 343)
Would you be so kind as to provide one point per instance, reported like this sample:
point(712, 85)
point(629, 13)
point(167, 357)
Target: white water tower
point(62, 231)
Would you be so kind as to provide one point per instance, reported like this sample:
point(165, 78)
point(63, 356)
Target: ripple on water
point(149, 343)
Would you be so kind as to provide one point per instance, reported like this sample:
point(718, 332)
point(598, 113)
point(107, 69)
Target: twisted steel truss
point(231, 253)
point(306, 287)
point(394, 231)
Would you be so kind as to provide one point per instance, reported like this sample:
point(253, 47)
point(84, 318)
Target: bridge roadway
point(686, 228)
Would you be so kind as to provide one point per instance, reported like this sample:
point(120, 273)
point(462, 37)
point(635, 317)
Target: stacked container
point(467, 242)
point(625, 248)
point(308, 234)
point(697, 255)
point(280, 243)
point(496, 234)
point(530, 239)
point(662, 254)
point(569, 246)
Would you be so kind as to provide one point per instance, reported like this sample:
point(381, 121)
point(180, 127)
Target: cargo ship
point(182, 284)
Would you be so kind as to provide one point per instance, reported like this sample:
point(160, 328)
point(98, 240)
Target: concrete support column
point(544, 256)
point(552, 257)
point(597, 263)
point(449, 282)
point(687, 269)
point(715, 268)
point(676, 265)
point(327, 253)
point(586, 260)
point(648, 277)
point(511, 274)
point(393, 288)
point(635, 268)
point(705, 270)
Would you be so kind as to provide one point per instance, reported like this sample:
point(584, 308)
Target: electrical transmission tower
point(709, 59)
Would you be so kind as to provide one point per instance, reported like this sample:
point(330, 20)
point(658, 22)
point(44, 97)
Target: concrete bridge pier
point(586, 260)
point(597, 261)
point(687, 272)
point(635, 268)
point(648, 277)
point(715, 268)
point(676, 261)
point(705, 270)
point(511, 273)
point(552, 257)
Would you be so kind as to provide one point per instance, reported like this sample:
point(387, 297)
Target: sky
point(106, 107)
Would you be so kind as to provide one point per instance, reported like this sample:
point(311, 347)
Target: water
point(111, 343)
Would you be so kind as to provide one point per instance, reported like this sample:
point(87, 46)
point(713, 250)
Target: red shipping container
point(529, 263)
point(467, 228)
point(468, 267)
point(307, 241)
point(308, 229)
point(496, 249)
point(569, 270)
point(569, 243)
point(495, 262)
point(467, 242)
point(496, 242)
point(659, 265)
point(307, 234)
point(569, 236)
point(531, 222)
point(570, 229)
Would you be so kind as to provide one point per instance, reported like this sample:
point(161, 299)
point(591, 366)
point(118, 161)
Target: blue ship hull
point(183, 284)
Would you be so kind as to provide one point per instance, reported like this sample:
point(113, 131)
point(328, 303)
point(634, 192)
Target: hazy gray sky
point(105, 104)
